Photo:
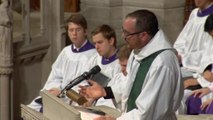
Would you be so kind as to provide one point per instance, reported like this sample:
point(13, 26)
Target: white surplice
point(162, 89)
point(195, 47)
point(110, 70)
point(66, 68)
point(192, 42)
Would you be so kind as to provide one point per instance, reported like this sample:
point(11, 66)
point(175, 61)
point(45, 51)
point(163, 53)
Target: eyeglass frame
point(129, 34)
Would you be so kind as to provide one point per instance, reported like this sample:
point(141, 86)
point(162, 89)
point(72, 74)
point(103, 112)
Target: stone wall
point(169, 13)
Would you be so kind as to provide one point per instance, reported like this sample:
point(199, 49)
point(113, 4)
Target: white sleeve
point(201, 80)
point(56, 76)
point(154, 105)
point(34, 105)
point(117, 85)
point(180, 42)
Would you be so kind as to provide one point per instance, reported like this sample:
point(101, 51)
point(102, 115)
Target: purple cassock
point(193, 106)
point(209, 109)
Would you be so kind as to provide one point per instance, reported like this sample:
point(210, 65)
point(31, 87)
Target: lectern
point(55, 108)
point(30, 114)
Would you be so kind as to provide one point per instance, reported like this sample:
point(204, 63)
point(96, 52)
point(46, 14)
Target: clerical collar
point(112, 58)
point(207, 11)
point(86, 46)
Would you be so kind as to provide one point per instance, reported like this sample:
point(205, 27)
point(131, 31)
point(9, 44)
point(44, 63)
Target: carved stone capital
point(5, 70)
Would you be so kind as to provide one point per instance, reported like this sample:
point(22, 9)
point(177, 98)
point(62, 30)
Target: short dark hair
point(208, 26)
point(145, 21)
point(77, 19)
point(107, 31)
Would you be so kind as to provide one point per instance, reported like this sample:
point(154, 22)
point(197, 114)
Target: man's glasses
point(126, 34)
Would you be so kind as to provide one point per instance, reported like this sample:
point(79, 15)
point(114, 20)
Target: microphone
point(85, 75)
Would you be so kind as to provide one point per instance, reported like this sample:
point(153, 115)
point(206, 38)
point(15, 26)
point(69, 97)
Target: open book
point(96, 111)
point(89, 113)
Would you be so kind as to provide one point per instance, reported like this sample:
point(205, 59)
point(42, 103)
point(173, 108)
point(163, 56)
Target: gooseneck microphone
point(85, 75)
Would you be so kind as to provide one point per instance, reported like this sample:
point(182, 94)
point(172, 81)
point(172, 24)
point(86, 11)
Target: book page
point(88, 116)
point(91, 113)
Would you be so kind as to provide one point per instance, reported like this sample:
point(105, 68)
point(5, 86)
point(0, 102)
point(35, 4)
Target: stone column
point(56, 22)
point(168, 12)
point(53, 19)
point(5, 59)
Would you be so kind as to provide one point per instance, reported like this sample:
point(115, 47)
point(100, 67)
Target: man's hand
point(89, 102)
point(105, 118)
point(54, 91)
point(190, 82)
point(94, 91)
point(201, 92)
point(206, 104)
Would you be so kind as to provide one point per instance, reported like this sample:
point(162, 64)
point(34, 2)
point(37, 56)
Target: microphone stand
point(85, 75)
point(62, 94)
point(70, 93)
point(70, 85)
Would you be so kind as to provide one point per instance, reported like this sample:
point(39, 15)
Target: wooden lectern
point(55, 108)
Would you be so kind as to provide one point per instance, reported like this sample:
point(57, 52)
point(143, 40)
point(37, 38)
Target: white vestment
point(117, 84)
point(110, 70)
point(162, 89)
point(195, 47)
point(192, 42)
point(66, 68)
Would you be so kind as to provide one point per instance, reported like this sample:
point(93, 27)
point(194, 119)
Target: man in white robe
point(206, 73)
point(72, 60)
point(118, 82)
point(118, 79)
point(192, 45)
point(162, 90)
point(192, 42)
point(104, 38)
